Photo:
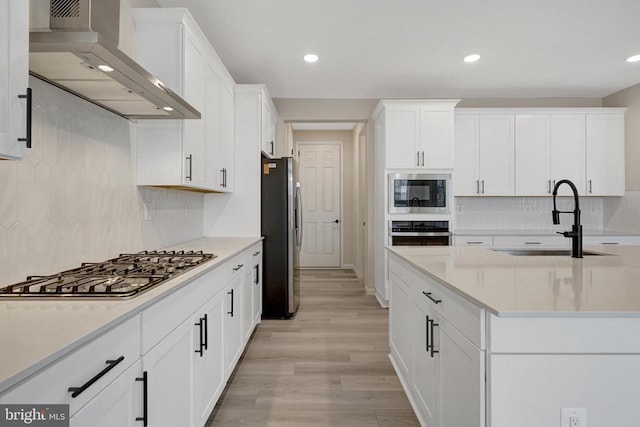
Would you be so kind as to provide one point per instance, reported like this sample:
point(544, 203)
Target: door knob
point(337, 221)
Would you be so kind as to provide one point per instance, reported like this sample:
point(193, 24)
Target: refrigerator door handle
point(299, 222)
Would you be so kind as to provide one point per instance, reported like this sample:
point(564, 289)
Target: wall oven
point(419, 233)
point(420, 193)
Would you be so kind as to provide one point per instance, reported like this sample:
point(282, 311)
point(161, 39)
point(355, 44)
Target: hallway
point(328, 366)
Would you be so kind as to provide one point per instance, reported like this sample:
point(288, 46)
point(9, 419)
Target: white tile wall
point(524, 213)
point(623, 213)
point(74, 198)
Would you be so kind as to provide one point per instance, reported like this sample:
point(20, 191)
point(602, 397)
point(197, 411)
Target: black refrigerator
point(281, 210)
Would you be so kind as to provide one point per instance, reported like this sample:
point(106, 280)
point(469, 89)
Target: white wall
point(74, 198)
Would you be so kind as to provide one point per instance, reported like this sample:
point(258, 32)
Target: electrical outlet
point(593, 210)
point(186, 209)
point(573, 417)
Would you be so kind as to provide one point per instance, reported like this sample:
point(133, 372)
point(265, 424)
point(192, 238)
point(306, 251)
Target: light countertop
point(509, 285)
point(35, 333)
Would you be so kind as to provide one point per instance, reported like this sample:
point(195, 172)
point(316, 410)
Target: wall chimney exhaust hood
point(78, 52)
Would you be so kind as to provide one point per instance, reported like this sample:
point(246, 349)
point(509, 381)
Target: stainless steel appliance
point(73, 44)
point(281, 224)
point(419, 233)
point(125, 276)
point(420, 193)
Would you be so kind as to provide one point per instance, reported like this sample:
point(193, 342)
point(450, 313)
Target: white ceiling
point(414, 48)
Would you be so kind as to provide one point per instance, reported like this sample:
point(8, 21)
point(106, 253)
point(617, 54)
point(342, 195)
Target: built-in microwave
point(420, 193)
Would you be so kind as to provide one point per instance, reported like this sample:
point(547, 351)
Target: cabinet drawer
point(51, 385)
point(473, 240)
point(611, 240)
point(165, 315)
point(531, 241)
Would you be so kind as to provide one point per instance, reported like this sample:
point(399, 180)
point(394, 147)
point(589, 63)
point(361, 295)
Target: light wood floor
point(328, 366)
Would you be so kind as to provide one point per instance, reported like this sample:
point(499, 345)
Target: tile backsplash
point(623, 213)
point(524, 213)
point(73, 198)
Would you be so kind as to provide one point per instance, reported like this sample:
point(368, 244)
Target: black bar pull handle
point(206, 331)
point(257, 269)
point(76, 391)
point(256, 253)
point(238, 267)
point(29, 98)
point(426, 330)
point(428, 295)
point(201, 327)
point(190, 160)
point(231, 293)
point(145, 402)
point(433, 346)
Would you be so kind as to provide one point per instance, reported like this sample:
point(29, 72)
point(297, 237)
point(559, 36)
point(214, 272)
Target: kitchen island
point(485, 338)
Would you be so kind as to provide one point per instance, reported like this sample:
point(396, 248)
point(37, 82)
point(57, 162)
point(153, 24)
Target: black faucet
point(576, 228)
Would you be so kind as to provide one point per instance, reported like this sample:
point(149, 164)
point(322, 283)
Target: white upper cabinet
point(567, 150)
point(605, 154)
point(14, 79)
point(585, 146)
point(484, 159)
point(417, 134)
point(269, 121)
point(189, 154)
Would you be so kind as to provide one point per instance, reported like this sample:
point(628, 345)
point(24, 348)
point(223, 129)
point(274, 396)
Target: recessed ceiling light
point(471, 58)
point(167, 108)
point(311, 57)
point(634, 58)
point(105, 68)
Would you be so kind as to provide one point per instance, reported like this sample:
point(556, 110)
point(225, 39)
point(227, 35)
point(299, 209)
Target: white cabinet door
point(402, 130)
point(496, 157)
point(14, 77)
point(567, 151)
point(532, 155)
point(208, 366)
point(232, 324)
point(169, 367)
point(193, 144)
point(227, 143)
point(119, 404)
point(212, 117)
point(400, 337)
point(268, 140)
point(605, 155)
point(465, 176)
point(256, 274)
point(462, 384)
point(426, 364)
point(436, 137)
point(247, 302)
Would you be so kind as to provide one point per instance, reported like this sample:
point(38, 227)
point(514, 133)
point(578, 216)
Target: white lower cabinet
point(232, 323)
point(445, 374)
point(169, 368)
point(256, 281)
point(208, 367)
point(120, 404)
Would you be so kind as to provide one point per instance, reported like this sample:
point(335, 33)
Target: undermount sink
point(544, 252)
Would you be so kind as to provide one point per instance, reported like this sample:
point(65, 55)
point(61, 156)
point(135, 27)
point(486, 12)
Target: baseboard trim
point(370, 291)
point(383, 303)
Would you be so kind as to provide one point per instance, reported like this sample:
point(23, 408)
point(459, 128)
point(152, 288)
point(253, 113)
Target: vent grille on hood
point(65, 8)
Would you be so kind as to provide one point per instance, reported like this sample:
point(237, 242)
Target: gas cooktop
point(124, 276)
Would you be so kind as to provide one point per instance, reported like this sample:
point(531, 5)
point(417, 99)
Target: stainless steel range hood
point(79, 53)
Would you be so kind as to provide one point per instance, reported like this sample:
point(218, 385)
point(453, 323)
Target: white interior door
point(319, 175)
